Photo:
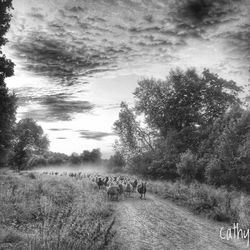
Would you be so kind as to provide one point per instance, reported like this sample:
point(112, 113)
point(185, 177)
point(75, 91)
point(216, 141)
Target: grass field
point(51, 212)
point(43, 211)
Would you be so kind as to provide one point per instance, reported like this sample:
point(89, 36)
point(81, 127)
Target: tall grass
point(216, 203)
point(53, 212)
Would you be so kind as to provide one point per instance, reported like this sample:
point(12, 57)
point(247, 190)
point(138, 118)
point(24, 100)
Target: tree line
point(30, 148)
point(189, 126)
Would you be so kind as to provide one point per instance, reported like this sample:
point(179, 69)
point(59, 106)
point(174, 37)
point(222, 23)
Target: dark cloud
point(57, 107)
point(58, 58)
point(205, 12)
point(195, 18)
point(64, 109)
point(61, 138)
point(93, 135)
point(197, 10)
point(226, 21)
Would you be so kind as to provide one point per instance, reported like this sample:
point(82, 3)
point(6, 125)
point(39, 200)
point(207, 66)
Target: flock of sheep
point(116, 186)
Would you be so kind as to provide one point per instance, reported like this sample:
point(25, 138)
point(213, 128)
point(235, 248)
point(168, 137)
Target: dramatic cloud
point(55, 58)
point(81, 38)
point(67, 44)
point(226, 21)
point(53, 107)
point(93, 135)
point(207, 12)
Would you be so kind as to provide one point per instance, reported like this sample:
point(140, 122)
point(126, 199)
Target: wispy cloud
point(93, 135)
point(70, 42)
point(59, 129)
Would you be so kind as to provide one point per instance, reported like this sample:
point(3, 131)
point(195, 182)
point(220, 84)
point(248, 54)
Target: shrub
point(216, 203)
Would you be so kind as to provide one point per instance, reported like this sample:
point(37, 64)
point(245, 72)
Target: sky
point(76, 60)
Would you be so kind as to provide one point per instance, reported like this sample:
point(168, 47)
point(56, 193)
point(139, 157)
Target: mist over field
point(70, 168)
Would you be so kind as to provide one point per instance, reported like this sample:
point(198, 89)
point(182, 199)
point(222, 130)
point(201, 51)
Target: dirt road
point(159, 224)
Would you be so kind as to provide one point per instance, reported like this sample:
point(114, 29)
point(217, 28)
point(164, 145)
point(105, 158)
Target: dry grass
point(53, 212)
point(216, 203)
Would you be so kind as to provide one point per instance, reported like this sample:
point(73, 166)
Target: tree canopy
point(192, 126)
point(7, 99)
point(185, 102)
point(29, 140)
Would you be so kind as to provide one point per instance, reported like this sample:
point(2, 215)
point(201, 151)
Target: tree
point(165, 157)
point(116, 162)
point(185, 102)
point(181, 113)
point(133, 138)
point(29, 140)
point(75, 159)
point(7, 99)
point(229, 161)
point(54, 158)
point(93, 156)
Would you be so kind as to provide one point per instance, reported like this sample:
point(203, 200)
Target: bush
point(216, 203)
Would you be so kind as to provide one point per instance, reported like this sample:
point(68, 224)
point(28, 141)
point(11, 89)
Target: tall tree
point(30, 140)
point(133, 138)
point(7, 99)
point(229, 160)
point(179, 114)
point(185, 102)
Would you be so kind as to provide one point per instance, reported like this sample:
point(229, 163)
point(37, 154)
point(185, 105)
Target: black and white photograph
point(124, 124)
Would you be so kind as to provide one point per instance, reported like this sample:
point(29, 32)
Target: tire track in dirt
point(159, 224)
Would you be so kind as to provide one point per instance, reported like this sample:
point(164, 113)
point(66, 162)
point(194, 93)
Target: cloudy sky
point(76, 60)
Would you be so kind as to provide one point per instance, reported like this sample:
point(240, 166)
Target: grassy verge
point(216, 203)
point(52, 212)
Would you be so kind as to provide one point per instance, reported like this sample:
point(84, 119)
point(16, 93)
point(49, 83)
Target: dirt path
point(159, 224)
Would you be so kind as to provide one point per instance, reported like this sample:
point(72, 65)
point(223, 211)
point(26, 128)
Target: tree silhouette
point(7, 99)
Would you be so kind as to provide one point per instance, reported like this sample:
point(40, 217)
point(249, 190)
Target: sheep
point(105, 180)
point(121, 189)
point(128, 189)
point(100, 182)
point(142, 190)
point(113, 191)
point(134, 184)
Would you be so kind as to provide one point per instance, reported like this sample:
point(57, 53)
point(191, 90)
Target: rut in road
point(159, 224)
